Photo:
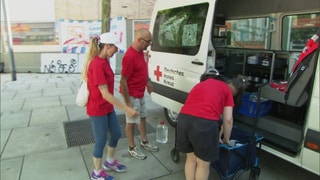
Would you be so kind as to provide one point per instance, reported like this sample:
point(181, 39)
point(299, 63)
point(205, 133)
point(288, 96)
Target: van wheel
point(171, 117)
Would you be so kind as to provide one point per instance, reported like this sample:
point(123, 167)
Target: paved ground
point(34, 147)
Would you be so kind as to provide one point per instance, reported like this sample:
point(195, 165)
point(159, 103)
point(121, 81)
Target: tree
point(105, 19)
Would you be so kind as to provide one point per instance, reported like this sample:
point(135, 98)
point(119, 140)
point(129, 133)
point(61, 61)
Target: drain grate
point(80, 132)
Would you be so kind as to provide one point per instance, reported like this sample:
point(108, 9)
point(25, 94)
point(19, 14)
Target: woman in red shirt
point(101, 102)
point(198, 127)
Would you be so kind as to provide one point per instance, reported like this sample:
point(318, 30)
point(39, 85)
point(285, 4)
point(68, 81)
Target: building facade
point(38, 31)
point(91, 10)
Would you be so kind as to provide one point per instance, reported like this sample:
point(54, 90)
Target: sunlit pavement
point(34, 147)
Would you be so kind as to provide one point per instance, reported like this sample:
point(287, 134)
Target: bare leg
point(129, 133)
point(142, 129)
point(97, 163)
point(110, 152)
point(190, 166)
point(202, 169)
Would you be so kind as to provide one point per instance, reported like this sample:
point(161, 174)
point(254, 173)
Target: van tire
point(171, 117)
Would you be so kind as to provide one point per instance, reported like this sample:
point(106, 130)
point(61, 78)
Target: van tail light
point(312, 140)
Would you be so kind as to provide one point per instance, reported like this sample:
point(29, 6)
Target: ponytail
point(94, 49)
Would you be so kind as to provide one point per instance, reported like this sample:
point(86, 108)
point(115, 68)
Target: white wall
point(30, 10)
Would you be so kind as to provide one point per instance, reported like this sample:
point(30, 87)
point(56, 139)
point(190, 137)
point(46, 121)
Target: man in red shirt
point(198, 128)
point(133, 83)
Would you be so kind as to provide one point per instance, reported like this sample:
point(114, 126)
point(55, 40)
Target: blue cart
point(241, 157)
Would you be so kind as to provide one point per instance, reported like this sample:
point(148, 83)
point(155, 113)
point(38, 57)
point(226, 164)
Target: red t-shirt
point(208, 99)
point(134, 67)
point(99, 73)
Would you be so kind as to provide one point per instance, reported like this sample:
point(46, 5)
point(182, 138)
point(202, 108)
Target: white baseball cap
point(109, 38)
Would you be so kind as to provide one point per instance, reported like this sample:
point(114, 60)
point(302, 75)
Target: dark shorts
point(198, 135)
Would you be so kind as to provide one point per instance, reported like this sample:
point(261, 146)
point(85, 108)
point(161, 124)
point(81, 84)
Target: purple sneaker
point(101, 176)
point(115, 166)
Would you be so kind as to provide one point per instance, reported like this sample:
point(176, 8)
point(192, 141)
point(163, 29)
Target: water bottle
point(162, 133)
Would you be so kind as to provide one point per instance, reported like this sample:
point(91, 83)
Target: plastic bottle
point(250, 76)
point(162, 133)
point(265, 79)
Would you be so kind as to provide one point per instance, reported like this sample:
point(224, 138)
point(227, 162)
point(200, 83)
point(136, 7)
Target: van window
point(297, 29)
point(179, 30)
point(248, 33)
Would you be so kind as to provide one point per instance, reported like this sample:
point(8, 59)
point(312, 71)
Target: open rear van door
point(179, 51)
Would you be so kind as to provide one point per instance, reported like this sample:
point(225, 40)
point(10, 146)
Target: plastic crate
point(248, 105)
point(238, 158)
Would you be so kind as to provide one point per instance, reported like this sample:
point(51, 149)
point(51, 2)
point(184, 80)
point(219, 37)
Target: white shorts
point(140, 106)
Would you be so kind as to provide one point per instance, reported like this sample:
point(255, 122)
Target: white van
point(258, 38)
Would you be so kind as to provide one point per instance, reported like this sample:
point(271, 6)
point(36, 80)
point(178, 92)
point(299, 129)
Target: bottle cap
point(161, 122)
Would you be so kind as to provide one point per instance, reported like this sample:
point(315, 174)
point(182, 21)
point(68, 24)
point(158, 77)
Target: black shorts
point(198, 135)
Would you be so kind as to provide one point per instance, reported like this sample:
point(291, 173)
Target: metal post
point(9, 39)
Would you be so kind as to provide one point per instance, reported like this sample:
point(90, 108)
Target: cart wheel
point(175, 155)
point(254, 173)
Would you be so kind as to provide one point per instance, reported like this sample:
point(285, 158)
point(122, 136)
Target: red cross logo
point(157, 73)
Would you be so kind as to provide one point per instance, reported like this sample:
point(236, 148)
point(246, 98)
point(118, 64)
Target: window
point(34, 34)
point(248, 33)
point(180, 30)
point(297, 29)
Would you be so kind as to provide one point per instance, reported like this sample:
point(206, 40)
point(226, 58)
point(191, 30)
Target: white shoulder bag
point(83, 94)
